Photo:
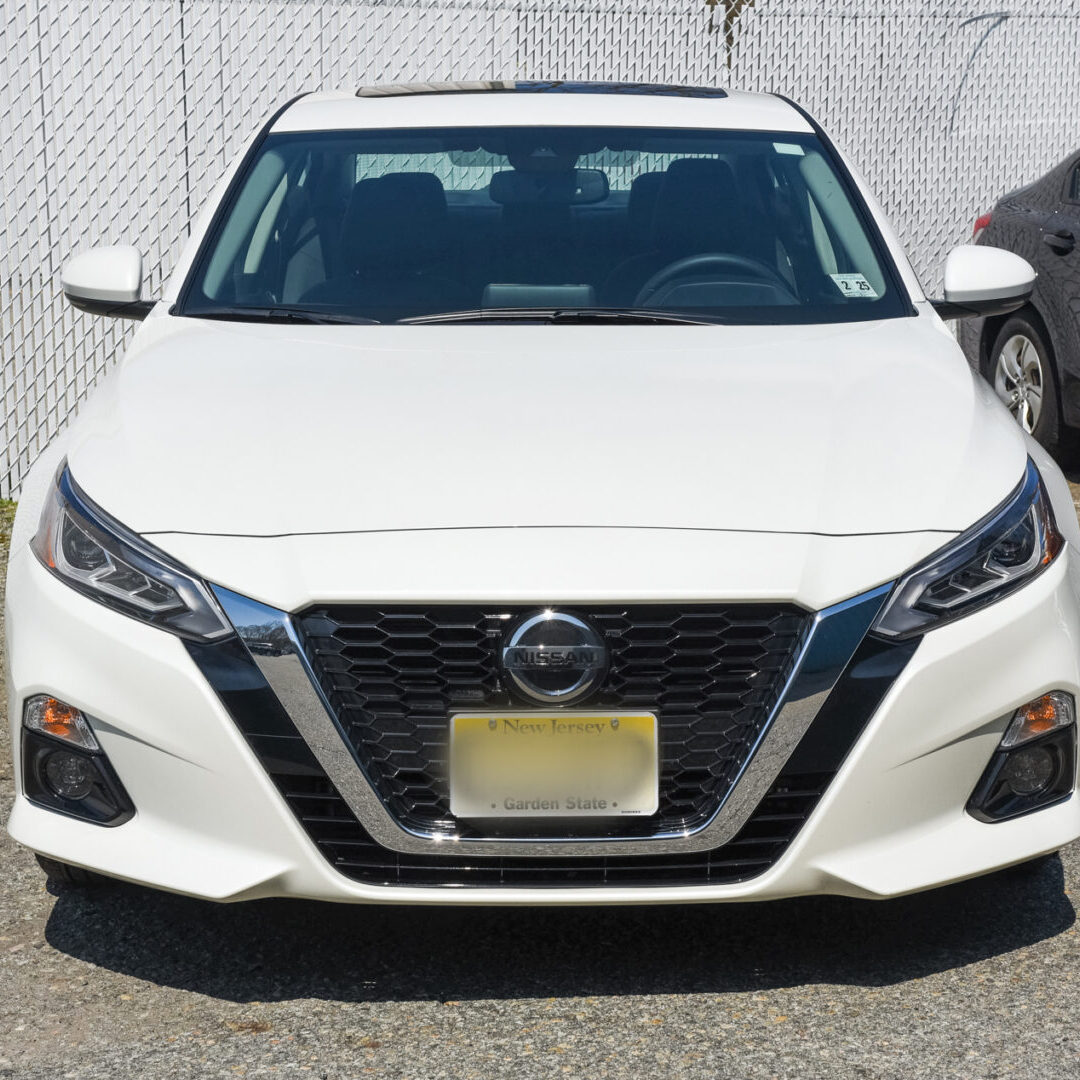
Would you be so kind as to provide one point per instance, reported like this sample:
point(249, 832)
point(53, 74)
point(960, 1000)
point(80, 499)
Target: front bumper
point(210, 823)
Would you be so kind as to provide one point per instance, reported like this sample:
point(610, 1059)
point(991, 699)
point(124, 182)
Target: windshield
point(519, 222)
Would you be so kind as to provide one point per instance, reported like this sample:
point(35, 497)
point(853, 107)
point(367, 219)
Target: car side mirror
point(984, 281)
point(106, 281)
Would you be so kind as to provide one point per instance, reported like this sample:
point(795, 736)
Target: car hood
point(269, 430)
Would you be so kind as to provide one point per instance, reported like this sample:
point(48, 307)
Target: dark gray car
point(1032, 356)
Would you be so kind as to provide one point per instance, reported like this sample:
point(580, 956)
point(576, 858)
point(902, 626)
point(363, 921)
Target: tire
point(64, 876)
point(1022, 369)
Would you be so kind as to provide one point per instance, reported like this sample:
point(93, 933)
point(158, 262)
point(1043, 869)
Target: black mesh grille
point(349, 848)
point(711, 673)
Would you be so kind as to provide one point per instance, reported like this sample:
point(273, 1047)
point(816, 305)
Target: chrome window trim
point(833, 636)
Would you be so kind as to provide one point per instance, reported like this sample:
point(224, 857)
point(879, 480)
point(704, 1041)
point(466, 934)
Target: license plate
point(511, 765)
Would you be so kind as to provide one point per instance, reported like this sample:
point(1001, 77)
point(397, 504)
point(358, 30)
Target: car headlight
point(95, 554)
point(993, 558)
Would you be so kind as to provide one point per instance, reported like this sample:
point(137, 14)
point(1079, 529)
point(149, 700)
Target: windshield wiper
point(281, 314)
point(645, 315)
point(560, 315)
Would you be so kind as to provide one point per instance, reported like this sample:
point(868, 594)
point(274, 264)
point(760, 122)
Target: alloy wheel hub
point(1018, 380)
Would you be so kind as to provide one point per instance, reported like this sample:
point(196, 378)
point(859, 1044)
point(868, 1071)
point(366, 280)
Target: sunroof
point(540, 87)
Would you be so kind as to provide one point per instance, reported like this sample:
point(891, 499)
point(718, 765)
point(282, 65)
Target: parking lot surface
point(976, 980)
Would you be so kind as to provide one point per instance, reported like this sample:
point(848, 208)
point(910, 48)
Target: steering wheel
point(708, 261)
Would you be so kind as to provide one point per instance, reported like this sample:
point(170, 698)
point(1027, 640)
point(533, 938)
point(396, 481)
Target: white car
point(536, 493)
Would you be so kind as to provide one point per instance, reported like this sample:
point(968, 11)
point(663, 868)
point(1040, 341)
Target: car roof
point(537, 86)
point(579, 104)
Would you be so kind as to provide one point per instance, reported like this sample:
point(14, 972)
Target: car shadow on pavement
point(275, 950)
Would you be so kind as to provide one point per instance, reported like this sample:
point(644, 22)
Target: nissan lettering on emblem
point(554, 658)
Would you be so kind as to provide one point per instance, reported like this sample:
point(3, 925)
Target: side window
point(284, 257)
point(227, 263)
point(860, 274)
point(822, 242)
point(1074, 184)
point(269, 251)
point(264, 227)
point(455, 170)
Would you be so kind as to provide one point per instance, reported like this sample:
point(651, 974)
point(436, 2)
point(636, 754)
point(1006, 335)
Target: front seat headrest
point(644, 191)
point(396, 221)
point(696, 207)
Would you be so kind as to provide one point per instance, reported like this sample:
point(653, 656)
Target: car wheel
point(1023, 374)
point(64, 876)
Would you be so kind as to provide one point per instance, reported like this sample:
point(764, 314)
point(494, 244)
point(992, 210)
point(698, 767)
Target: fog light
point(64, 768)
point(1035, 763)
point(1029, 771)
point(71, 776)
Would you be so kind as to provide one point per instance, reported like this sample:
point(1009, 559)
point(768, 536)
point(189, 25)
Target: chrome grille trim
point(832, 639)
point(394, 675)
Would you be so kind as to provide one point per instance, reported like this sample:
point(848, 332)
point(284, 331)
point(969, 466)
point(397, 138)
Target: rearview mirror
point(106, 281)
point(984, 281)
point(575, 187)
point(590, 186)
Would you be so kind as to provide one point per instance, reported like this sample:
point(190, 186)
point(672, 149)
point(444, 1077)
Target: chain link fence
point(116, 119)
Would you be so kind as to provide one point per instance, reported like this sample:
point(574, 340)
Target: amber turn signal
point(50, 716)
point(1044, 714)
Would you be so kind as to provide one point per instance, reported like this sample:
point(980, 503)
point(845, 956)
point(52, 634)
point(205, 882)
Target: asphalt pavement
point(975, 980)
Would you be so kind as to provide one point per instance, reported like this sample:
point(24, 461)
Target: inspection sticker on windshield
point(854, 285)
